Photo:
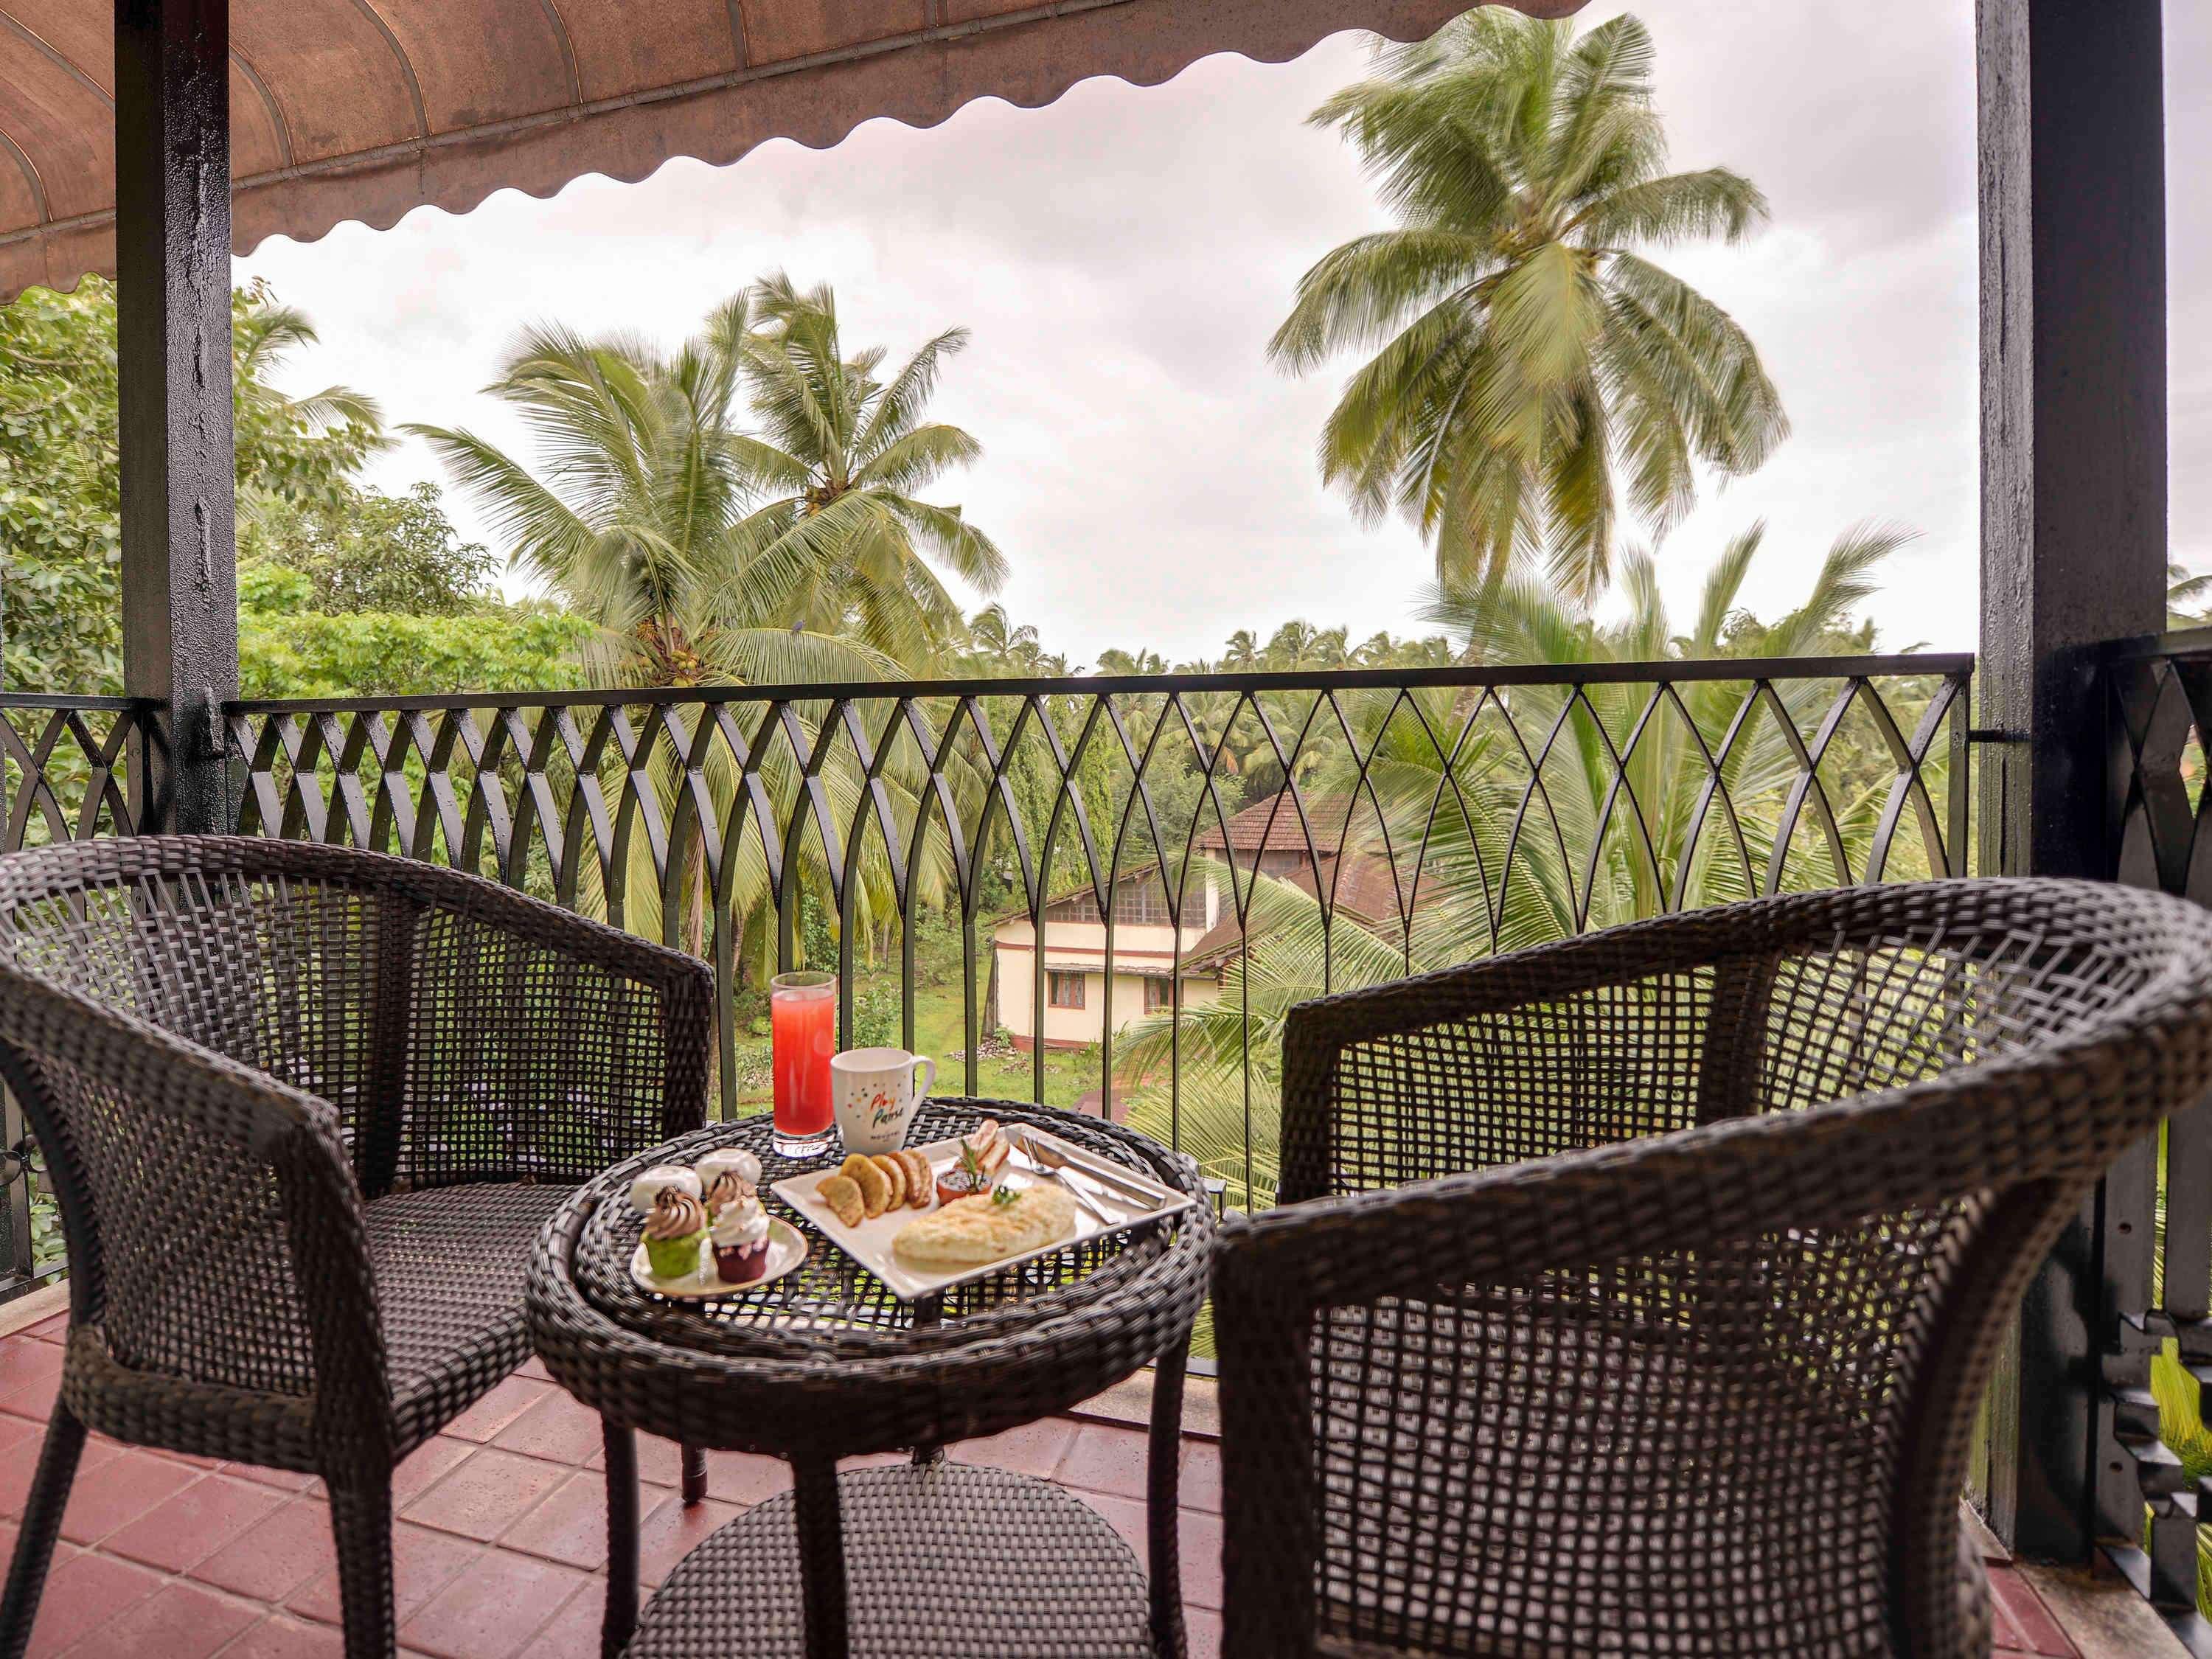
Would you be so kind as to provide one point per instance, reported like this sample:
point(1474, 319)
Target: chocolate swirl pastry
point(728, 1188)
point(676, 1214)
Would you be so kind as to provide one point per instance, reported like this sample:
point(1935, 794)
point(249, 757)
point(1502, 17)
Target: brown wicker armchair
point(303, 1110)
point(1675, 1342)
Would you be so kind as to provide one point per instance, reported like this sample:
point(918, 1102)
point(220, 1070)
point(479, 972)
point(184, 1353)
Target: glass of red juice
point(802, 1011)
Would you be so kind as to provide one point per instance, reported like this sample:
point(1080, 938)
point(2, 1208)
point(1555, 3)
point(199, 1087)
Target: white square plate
point(870, 1243)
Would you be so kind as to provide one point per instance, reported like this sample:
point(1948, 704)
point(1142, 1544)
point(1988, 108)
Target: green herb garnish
point(1004, 1195)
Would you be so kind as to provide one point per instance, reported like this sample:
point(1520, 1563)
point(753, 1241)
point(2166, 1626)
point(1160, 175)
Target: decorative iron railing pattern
point(1134, 878)
point(2154, 1454)
point(70, 768)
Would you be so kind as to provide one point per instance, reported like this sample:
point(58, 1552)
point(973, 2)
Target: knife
point(1123, 1186)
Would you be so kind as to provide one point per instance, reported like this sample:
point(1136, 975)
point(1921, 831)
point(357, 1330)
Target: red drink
point(803, 1024)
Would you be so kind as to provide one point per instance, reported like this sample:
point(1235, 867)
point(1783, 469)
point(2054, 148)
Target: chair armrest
point(536, 1044)
point(1585, 1042)
point(214, 1232)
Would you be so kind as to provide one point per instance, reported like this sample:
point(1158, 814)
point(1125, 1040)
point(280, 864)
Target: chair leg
point(1163, 1493)
point(619, 1621)
point(41, 1526)
point(361, 1522)
point(695, 1476)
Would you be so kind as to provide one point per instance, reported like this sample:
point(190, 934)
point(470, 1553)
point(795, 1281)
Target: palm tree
point(845, 543)
point(633, 519)
point(1524, 347)
point(1502, 866)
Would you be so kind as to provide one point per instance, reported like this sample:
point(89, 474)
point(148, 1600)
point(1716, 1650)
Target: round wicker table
point(931, 1557)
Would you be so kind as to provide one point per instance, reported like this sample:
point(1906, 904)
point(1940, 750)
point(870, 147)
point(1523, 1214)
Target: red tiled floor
point(268, 1561)
point(1202, 1476)
point(423, 1563)
point(118, 1491)
point(82, 1593)
point(574, 1632)
point(506, 1402)
point(672, 1530)
point(428, 1464)
point(195, 1522)
point(493, 1609)
point(181, 1620)
point(1034, 1449)
point(1104, 1458)
point(2018, 1605)
point(570, 1526)
point(278, 1637)
point(259, 1578)
point(486, 1494)
point(556, 1427)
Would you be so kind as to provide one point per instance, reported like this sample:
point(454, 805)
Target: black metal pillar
point(2074, 548)
point(174, 369)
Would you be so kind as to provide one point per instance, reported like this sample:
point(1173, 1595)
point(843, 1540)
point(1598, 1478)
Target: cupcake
point(661, 1178)
point(729, 1160)
point(740, 1236)
point(724, 1190)
point(674, 1233)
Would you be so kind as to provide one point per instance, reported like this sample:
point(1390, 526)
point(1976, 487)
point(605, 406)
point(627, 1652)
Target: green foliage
point(1524, 348)
point(362, 549)
point(297, 459)
point(288, 648)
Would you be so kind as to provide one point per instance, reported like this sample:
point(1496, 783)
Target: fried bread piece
point(842, 1195)
point(895, 1172)
point(875, 1186)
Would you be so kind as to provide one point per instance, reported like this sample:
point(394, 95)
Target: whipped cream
point(743, 1223)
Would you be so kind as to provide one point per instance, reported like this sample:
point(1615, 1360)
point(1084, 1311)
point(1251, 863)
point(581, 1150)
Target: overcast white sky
point(1122, 256)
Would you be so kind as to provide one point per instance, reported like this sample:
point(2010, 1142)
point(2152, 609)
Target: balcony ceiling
point(363, 109)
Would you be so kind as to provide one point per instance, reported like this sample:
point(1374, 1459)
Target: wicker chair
point(1637, 1293)
point(303, 1110)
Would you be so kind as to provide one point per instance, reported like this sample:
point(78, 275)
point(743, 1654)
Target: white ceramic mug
point(877, 1095)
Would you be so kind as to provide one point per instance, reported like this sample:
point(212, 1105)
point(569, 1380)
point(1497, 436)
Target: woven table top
point(834, 1308)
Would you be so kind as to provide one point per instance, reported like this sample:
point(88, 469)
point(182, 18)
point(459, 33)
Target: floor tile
point(275, 1558)
point(534, 1368)
point(281, 1636)
point(505, 1401)
point(2026, 1609)
point(33, 1401)
point(195, 1523)
point(574, 1632)
point(1106, 1459)
point(181, 1620)
point(84, 1592)
point(1033, 1448)
point(569, 1526)
point(22, 1363)
point(423, 1563)
point(558, 1427)
point(493, 1610)
point(1198, 1540)
point(426, 1465)
point(1202, 1626)
point(281, 1479)
point(486, 1494)
point(118, 1491)
point(1128, 1518)
point(674, 1530)
point(747, 1478)
point(1202, 1476)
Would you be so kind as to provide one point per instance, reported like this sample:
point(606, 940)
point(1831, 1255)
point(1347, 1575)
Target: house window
point(1064, 990)
point(1156, 995)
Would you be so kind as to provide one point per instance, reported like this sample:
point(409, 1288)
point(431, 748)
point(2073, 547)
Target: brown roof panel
point(364, 109)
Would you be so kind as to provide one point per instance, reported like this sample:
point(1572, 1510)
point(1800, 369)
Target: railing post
point(176, 462)
point(2074, 548)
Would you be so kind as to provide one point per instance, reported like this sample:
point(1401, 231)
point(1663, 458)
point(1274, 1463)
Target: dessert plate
point(870, 1243)
point(787, 1248)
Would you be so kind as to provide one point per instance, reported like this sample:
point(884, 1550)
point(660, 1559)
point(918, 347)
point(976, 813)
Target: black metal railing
point(2154, 1454)
point(71, 767)
point(1104, 893)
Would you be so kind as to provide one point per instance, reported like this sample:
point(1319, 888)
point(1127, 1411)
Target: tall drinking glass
point(802, 1011)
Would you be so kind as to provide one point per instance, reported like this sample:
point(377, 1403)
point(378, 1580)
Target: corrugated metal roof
point(364, 109)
